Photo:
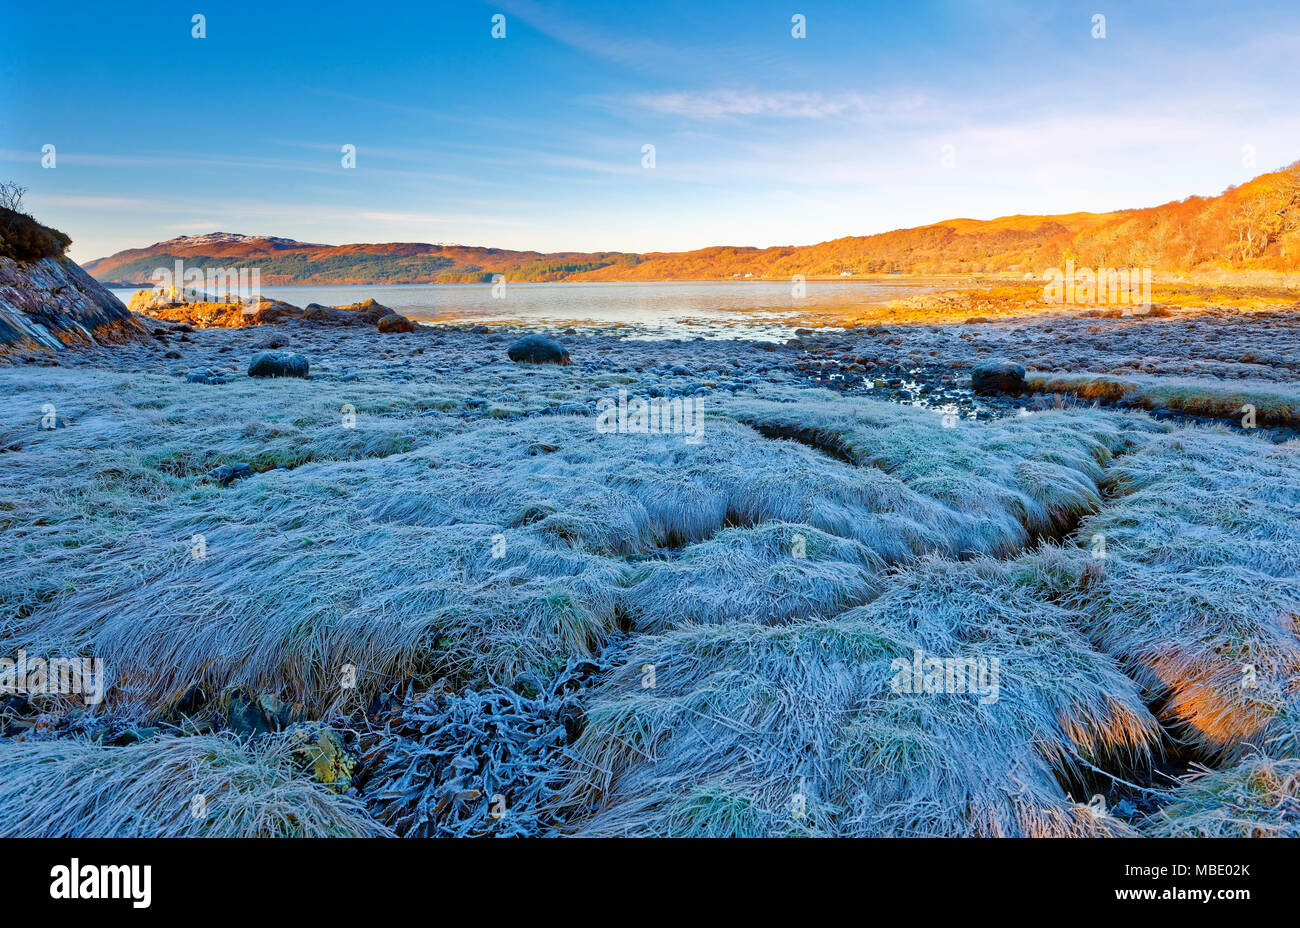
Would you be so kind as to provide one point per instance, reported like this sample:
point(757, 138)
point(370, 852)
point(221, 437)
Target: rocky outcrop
point(203, 314)
point(52, 303)
point(367, 312)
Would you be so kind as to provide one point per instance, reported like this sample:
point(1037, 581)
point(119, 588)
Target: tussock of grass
point(996, 486)
point(73, 788)
point(1258, 798)
point(1199, 591)
point(1276, 404)
point(747, 724)
point(773, 573)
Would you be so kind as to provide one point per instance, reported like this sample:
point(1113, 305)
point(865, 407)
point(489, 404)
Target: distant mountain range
point(1255, 226)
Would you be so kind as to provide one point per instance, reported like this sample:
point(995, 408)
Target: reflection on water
point(670, 309)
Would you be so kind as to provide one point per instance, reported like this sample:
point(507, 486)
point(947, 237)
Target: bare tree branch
point(11, 195)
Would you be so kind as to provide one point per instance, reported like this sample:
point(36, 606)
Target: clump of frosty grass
point(1258, 798)
point(772, 573)
point(798, 729)
point(1275, 404)
point(197, 786)
point(1198, 591)
point(457, 538)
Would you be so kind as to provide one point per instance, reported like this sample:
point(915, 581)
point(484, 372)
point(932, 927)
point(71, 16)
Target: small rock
point(191, 701)
point(227, 474)
point(320, 751)
point(538, 349)
point(250, 714)
point(199, 375)
point(136, 735)
point(394, 322)
point(243, 714)
point(280, 714)
point(990, 377)
point(277, 364)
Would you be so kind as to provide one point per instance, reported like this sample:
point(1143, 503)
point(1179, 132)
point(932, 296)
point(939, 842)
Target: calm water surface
point(670, 309)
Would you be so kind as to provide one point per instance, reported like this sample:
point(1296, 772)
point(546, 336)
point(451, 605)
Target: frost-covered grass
point(171, 787)
point(1258, 798)
point(993, 487)
point(798, 729)
point(1274, 404)
point(434, 538)
point(1199, 587)
point(473, 529)
point(772, 573)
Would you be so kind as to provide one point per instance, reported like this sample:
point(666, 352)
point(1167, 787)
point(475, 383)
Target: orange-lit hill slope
point(1255, 226)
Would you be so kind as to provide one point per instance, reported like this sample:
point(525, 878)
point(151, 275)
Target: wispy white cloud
point(631, 50)
point(94, 202)
point(724, 104)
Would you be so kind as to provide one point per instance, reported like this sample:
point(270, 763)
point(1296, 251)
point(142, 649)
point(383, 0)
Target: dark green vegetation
point(24, 239)
point(354, 266)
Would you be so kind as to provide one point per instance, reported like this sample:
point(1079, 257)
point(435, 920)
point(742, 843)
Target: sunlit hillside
point(1255, 226)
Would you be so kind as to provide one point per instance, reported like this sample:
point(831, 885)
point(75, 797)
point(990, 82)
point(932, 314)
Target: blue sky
point(535, 141)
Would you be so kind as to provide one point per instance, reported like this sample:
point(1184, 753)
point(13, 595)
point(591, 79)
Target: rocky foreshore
point(929, 365)
point(197, 311)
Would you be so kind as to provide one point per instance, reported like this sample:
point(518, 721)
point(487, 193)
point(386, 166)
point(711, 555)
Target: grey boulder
point(992, 377)
point(538, 349)
point(277, 364)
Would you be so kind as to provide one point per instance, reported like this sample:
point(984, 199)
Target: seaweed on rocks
point(482, 762)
